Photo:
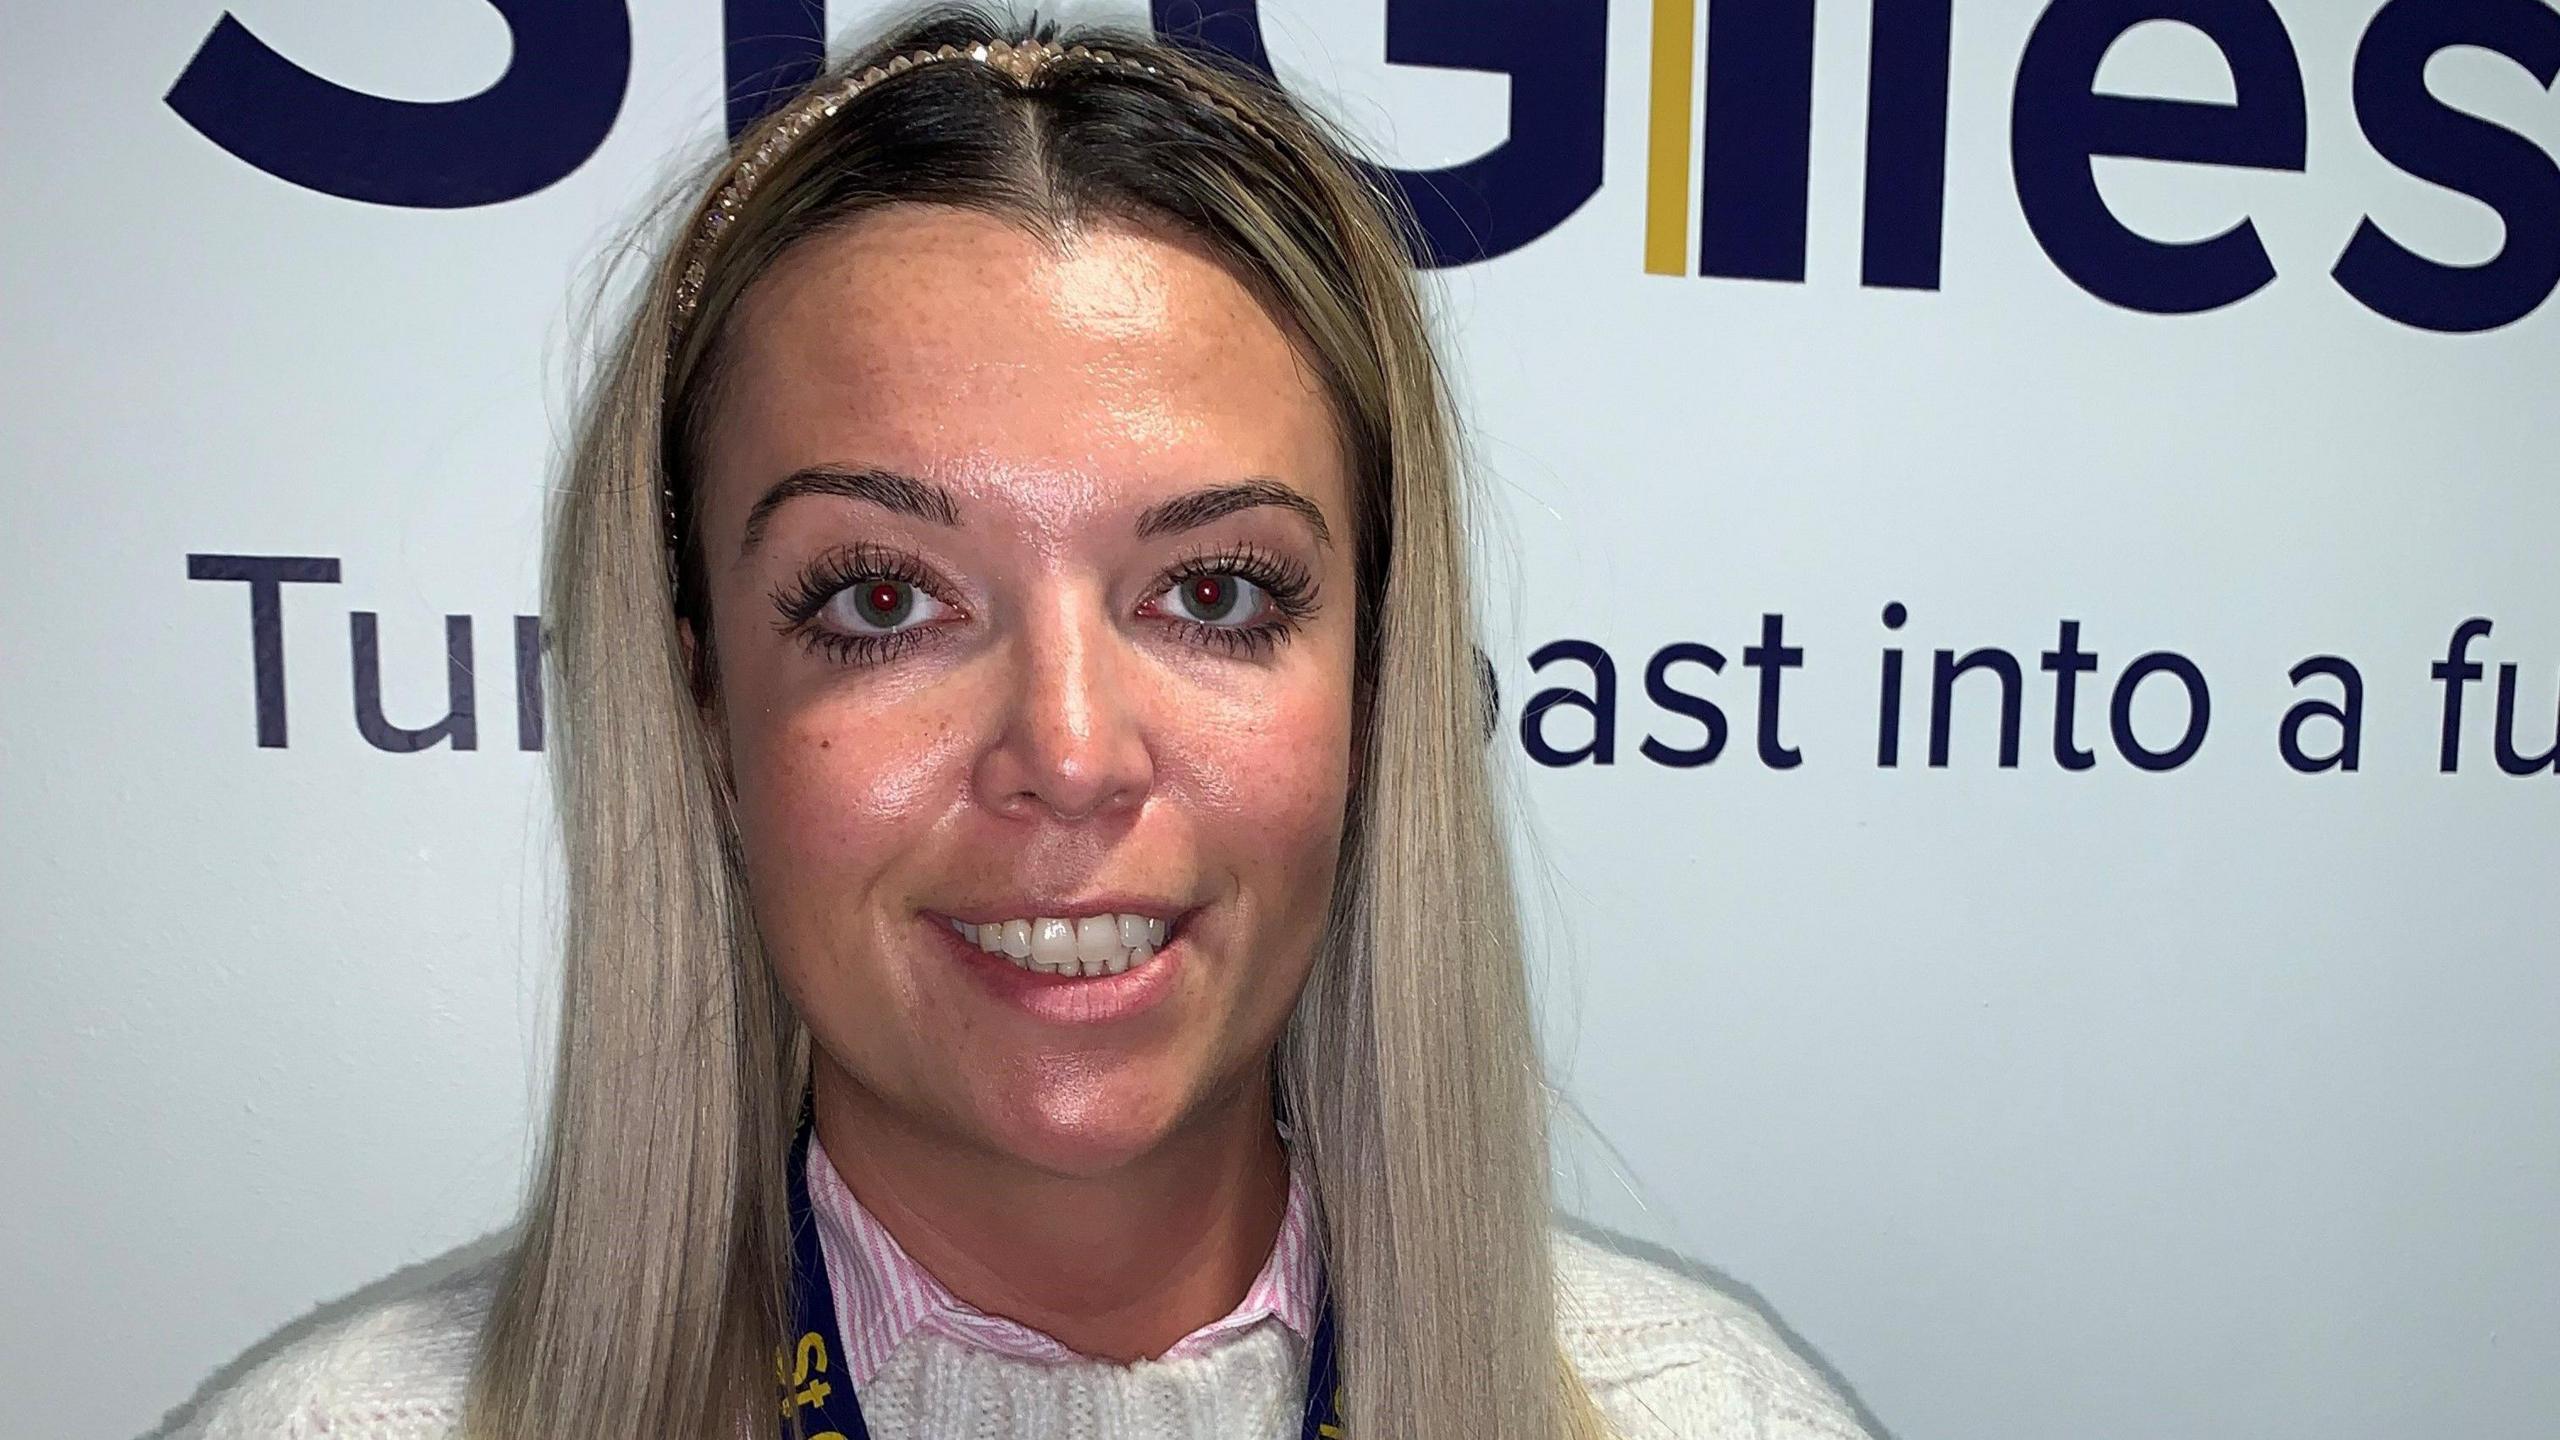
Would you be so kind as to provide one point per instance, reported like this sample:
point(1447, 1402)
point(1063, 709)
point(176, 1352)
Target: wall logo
point(1753, 149)
point(564, 87)
point(459, 725)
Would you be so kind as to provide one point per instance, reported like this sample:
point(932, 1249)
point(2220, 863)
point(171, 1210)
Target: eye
point(880, 605)
point(1217, 598)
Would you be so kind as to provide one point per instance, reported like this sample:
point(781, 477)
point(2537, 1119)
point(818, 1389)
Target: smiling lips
point(1089, 945)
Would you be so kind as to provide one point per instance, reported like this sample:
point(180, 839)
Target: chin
point(1070, 1126)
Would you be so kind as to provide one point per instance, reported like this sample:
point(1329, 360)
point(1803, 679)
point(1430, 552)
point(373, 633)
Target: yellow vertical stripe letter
point(1666, 168)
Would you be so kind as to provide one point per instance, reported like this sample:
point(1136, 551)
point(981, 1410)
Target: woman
point(1039, 953)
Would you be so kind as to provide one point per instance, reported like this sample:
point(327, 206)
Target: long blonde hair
point(645, 1298)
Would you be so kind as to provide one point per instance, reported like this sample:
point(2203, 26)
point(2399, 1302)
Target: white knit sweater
point(1664, 1355)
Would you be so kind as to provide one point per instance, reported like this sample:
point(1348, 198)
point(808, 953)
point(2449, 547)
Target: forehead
point(1069, 375)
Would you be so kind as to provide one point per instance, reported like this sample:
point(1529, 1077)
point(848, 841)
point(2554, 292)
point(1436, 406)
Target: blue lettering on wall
point(2199, 710)
point(2058, 124)
point(266, 576)
point(2346, 713)
point(538, 122)
point(1600, 703)
point(1906, 143)
point(1772, 657)
point(1556, 55)
point(1659, 689)
point(1756, 162)
point(2435, 142)
point(460, 723)
point(770, 48)
point(2456, 670)
point(459, 726)
point(570, 68)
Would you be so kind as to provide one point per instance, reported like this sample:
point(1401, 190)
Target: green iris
point(901, 598)
point(1211, 597)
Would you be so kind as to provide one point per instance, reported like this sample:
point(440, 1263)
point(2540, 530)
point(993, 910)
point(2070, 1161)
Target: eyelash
point(837, 571)
point(1290, 588)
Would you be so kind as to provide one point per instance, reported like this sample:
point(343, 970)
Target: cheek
point(1269, 781)
point(837, 786)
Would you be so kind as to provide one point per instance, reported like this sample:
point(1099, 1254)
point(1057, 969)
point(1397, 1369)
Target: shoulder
point(390, 1363)
point(1668, 1355)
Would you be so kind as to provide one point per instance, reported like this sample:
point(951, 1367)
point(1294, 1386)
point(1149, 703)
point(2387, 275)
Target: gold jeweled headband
point(1024, 63)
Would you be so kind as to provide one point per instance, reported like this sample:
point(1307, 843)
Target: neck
point(1119, 1265)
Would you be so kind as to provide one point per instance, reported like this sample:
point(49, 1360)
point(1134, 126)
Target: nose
point(1072, 742)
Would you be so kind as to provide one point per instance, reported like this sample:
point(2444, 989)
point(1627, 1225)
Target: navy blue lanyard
point(815, 1387)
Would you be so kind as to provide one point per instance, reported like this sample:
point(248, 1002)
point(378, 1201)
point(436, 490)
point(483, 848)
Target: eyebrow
point(887, 489)
point(1198, 508)
point(925, 500)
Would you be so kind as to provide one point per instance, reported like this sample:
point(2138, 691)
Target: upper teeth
point(1088, 945)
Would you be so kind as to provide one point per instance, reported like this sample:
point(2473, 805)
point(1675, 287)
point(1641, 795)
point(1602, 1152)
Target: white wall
point(2212, 1101)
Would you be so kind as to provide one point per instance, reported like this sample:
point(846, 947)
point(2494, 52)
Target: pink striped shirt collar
point(883, 1296)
